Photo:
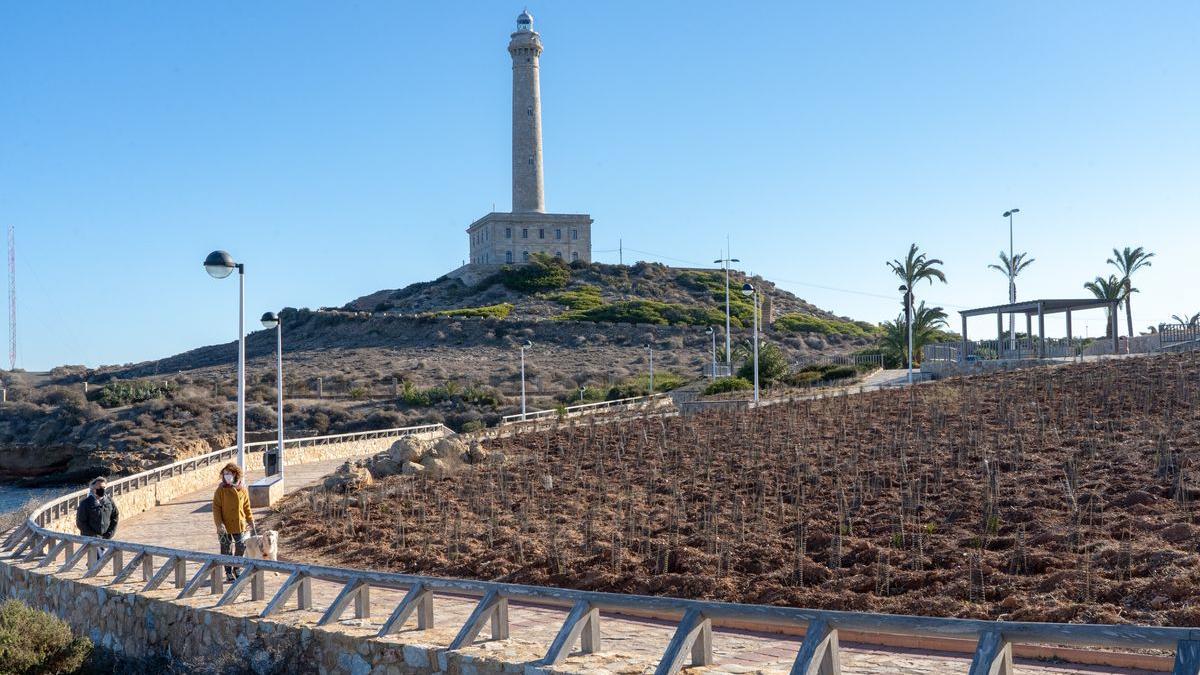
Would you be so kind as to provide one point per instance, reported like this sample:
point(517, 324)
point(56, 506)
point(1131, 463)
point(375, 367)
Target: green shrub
point(640, 385)
point(124, 392)
point(541, 273)
point(32, 641)
point(807, 323)
point(803, 378)
point(649, 312)
point(772, 365)
point(581, 299)
point(727, 384)
point(358, 393)
point(839, 373)
point(500, 311)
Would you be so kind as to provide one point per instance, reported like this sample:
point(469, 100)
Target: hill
point(440, 351)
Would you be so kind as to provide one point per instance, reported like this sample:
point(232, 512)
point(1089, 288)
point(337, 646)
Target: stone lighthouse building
point(506, 238)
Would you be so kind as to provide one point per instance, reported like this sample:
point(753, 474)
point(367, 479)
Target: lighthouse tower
point(526, 49)
point(501, 238)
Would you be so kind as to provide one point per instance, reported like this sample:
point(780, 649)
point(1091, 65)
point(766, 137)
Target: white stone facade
point(511, 238)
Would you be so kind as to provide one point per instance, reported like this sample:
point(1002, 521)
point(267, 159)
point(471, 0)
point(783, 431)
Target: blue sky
point(341, 148)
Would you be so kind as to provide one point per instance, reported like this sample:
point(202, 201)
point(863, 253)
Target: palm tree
point(1185, 320)
point(1127, 262)
point(1107, 289)
point(927, 323)
point(1010, 269)
point(912, 269)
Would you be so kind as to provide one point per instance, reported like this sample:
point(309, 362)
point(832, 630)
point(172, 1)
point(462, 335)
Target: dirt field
point(1050, 494)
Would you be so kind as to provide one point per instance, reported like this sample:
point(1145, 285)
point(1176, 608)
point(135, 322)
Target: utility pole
point(12, 298)
point(620, 251)
point(726, 260)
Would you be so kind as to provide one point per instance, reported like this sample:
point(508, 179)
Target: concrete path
point(628, 645)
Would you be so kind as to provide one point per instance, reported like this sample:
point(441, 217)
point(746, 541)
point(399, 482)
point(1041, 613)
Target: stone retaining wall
point(153, 624)
point(167, 489)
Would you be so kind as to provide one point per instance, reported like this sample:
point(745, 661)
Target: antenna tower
point(12, 298)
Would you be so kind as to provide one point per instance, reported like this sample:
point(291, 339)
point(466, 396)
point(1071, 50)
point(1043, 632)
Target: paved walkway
point(628, 645)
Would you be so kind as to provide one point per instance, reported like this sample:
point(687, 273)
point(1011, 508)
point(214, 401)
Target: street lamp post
point(908, 319)
point(219, 265)
point(525, 346)
point(650, 348)
point(713, 334)
point(272, 320)
point(1012, 281)
point(727, 260)
point(750, 292)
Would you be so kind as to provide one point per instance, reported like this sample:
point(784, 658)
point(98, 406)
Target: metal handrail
point(693, 634)
point(582, 407)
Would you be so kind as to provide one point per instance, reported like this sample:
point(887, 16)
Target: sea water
point(13, 497)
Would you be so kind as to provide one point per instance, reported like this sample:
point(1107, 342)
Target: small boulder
point(408, 449)
point(435, 466)
point(476, 454)
point(384, 466)
point(451, 446)
point(411, 469)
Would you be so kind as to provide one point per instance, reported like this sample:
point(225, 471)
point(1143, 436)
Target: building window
point(574, 234)
point(508, 256)
point(508, 233)
point(558, 234)
point(524, 232)
point(531, 160)
point(541, 233)
point(558, 254)
point(525, 256)
point(529, 110)
point(574, 255)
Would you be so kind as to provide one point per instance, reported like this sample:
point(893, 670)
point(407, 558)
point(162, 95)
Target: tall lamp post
point(272, 320)
point(525, 346)
point(650, 348)
point(219, 265)
point(908, 319)
point(751, 293)
point(1012, 281)
point(727, 260)
point(713, 334)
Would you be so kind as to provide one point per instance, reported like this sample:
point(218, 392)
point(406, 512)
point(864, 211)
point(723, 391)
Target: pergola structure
point(1040, 308)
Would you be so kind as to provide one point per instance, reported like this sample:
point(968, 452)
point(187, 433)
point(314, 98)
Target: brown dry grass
point(1050, 494)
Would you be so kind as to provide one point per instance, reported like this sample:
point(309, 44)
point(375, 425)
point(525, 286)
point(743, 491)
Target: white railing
point(33, 542)
point(585, 408)
point(841, 360)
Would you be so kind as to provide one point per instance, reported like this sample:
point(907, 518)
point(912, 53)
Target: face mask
point(228, 477)
point(100, 491)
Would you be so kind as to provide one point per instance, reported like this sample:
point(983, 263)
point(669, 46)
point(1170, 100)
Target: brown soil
point(1053, 494)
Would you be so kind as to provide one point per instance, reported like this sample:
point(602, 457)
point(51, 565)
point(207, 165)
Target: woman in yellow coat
point(232, 515)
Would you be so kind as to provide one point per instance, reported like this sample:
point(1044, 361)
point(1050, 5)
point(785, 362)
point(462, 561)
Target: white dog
point(263, 546)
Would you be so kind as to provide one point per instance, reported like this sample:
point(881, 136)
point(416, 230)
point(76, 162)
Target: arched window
point(508, 256)
point(525, 256)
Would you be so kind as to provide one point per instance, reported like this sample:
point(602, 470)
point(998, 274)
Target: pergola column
point(1070, 341)
point(1000, 335)
point(962, 353)
point(1041, 332)
point(1029, 328)
point(1112, 313)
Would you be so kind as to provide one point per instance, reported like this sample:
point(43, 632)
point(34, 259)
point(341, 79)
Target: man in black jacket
point(97, 514)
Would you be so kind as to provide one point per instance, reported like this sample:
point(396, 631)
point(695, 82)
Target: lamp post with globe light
point(750, 292)
point(525, 346)
point(273, 320)
point(219, 265)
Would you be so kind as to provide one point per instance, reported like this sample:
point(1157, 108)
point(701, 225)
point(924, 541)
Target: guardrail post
point(993, 655)
point(92, 554)
point(296, 583)
point(418, 599)
point(1187, 658)
point(147, 567)
point(74, 558)
point(694, 633)
point(194, 584)
point(52, 554)
point(362, 602)
point(180, 567)
point(160, 576)
point(127, 570)
point(819, 653)
point(118, 561)
point(235, 589)
point(258, 588)
point(582, 625)
point(349, 592)
point(494, 608)
point(100, 562)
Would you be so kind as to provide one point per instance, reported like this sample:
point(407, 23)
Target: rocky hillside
point(433, 352)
